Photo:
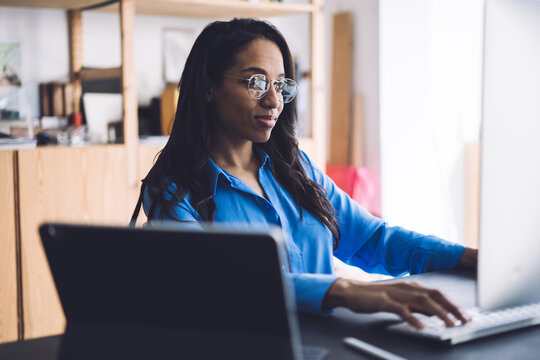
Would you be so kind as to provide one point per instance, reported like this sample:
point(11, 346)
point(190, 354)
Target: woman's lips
point(267, 120)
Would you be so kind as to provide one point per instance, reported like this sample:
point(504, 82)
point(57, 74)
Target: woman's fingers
point(405, 314)
point(442, 300)
point(420, 299)
point(415, 298)
point(425, 304)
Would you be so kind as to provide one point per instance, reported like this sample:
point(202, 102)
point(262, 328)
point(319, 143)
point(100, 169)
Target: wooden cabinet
point(71, 185)
point(9, 309)
point(100, 184)
point(82, 185)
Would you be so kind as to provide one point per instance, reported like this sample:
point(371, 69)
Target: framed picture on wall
point(10, 63)
point(176, 46)
point(10, 79)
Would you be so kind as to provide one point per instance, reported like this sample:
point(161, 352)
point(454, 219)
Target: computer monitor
point(509, 258)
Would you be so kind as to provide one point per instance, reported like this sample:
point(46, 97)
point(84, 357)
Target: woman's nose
point(271, 98)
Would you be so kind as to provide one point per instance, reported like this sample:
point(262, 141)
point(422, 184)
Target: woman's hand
point(400, 298)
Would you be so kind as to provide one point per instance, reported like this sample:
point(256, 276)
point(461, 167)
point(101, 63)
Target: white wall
point(44, 54)
point(430, 75)
point(365, 74)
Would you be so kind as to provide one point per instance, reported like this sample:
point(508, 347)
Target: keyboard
point(483, 323)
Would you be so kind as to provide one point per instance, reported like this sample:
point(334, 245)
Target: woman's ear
point(210, 92)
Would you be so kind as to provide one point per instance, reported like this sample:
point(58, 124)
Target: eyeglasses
point(259, 85)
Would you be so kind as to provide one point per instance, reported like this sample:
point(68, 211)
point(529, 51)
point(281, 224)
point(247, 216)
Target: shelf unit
point(8, 253)
point(188, 8)
point(100, 183)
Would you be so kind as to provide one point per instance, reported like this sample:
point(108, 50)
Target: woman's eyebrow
point(257, 70)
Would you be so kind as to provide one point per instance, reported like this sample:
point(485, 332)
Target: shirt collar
point(214, 172)
point(262, 155)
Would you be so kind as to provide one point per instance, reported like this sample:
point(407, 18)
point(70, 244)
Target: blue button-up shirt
point(366, 241)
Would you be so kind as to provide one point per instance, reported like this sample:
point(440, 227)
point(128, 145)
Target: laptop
point(173, 292)
point(508, 295)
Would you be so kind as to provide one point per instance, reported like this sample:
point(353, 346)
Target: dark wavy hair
point(183, 159)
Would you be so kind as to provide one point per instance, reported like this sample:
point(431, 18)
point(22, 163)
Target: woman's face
point(240, 117)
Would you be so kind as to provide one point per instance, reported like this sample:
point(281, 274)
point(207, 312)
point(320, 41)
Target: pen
point(370, 349)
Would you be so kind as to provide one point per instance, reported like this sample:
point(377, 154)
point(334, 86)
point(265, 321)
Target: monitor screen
point(509, 259)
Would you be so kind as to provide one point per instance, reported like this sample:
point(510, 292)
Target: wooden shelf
point(192, 8)
point(218, 9)
point(51, 4)
point(98, 74)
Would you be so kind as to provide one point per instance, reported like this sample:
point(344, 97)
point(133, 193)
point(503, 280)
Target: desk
point(460, 287)
point(329, 331)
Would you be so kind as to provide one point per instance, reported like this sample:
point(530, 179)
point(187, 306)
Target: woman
point(233, 157)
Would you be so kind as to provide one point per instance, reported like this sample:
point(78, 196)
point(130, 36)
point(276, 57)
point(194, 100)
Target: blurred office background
point(416, 63)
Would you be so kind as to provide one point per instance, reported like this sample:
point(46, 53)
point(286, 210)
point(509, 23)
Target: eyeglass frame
point(248, 80)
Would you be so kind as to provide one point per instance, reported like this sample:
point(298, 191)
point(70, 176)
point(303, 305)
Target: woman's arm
point(372, 245)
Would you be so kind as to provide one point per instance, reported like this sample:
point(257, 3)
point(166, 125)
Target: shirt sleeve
point(370, 244)
point(310, 290)
point(182, 211)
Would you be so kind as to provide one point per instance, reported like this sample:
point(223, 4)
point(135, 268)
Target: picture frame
point(10, 79)
point(10, 63)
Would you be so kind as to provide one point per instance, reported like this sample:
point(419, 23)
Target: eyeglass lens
point(259, 85)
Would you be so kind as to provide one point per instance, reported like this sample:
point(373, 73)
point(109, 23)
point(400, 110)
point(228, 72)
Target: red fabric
point(357, 182)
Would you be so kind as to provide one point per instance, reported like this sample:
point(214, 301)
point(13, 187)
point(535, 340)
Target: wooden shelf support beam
point(129, 100)
point(75, 56)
